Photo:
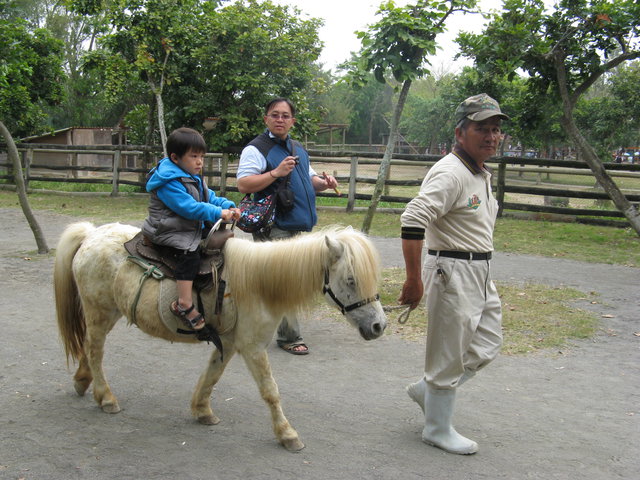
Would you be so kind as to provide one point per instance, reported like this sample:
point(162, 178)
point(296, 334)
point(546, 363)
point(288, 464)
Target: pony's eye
point(351, 281)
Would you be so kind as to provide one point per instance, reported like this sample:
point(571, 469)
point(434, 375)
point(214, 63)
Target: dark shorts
point(187, 263)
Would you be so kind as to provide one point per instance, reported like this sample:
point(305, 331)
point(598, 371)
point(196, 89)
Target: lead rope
point(404, 315)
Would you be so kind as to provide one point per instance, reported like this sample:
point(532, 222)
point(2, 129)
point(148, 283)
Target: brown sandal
point(195, 323)
point(292, 348)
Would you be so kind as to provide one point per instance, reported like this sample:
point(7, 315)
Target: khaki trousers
point(464, 319)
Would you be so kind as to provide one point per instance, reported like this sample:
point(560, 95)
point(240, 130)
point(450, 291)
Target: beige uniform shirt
point(455, 206)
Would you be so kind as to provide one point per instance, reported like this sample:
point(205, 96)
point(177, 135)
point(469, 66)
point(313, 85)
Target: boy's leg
point(185, 272)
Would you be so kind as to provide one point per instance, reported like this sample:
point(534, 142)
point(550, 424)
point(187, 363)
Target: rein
point(404, 315)
point(327, 289)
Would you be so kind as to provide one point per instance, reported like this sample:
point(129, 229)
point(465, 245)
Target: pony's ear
point(336, 249)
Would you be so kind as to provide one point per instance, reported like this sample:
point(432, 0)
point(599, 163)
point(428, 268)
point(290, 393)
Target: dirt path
point(569, 415)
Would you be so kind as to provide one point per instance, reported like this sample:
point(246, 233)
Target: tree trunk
point(386, 159)
point(161, 127)
point(590, 157)
point(157, 93)
point(22, 192)
point(587, 152)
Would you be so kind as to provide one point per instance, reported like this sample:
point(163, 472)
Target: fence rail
point(128, 165)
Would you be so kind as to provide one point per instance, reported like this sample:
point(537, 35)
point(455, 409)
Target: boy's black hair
point(278, 100)
point(183, 139)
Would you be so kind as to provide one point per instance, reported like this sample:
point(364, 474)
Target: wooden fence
point(358, 171)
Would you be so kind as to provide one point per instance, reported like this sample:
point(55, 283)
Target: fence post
point(209, 169)
point(224, 167)
point(502, 175)
point(73, 162)
point(27, 167)
point(116, 172)
point(146, 164)
point(351, 197)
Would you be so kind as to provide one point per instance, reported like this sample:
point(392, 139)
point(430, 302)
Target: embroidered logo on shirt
point(474, 202)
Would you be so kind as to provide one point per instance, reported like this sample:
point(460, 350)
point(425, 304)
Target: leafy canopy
point(30, 73)
point(401, 40)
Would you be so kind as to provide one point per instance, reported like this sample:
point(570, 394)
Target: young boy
point(179, 204)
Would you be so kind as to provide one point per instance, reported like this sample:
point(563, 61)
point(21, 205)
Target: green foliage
point(602, 120)
point(429, 114)
point(371, 105)
point(207, 60)
point(245, 54)
point(585, 33)
point(30, 73)
point(402, 38)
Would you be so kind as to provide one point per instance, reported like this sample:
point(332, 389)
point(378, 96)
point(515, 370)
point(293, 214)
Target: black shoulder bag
point(285, 197)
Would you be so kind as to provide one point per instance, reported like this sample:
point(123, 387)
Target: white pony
point(95, 286)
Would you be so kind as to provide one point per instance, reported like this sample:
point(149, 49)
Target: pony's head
point(351, 278)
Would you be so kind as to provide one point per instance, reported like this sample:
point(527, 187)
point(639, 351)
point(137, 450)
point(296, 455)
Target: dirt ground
point(573, 414)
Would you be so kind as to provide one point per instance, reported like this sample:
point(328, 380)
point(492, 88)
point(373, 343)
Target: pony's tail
point(71, 322)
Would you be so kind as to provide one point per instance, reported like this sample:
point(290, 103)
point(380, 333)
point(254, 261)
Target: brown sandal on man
point(196, 323)
point(291, 348)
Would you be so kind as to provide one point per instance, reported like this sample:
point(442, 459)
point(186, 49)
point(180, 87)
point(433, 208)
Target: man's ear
point(174, 158)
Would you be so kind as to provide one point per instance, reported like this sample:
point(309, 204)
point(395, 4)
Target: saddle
point(141, 250)
point(211, 260)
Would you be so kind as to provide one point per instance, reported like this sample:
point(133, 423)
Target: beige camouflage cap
point(478, 108)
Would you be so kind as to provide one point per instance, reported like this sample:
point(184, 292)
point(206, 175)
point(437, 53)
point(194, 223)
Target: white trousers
point(464, 315)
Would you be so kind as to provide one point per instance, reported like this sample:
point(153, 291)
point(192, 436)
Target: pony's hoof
point(292, 444)
point(110, 408)
point(80, 387)
point(209, 420)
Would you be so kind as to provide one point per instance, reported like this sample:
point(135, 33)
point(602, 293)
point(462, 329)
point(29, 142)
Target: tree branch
point(604, 68)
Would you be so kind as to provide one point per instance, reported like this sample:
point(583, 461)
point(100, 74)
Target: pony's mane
point(285, 273)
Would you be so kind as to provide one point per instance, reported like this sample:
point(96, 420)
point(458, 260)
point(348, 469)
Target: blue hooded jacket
point(178, 206)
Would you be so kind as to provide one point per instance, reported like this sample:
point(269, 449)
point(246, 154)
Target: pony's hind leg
point(82, 379)
point(258, 363)
point(97, 330)
point(201, 399)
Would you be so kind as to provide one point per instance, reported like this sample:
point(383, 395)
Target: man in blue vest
point(269, 159)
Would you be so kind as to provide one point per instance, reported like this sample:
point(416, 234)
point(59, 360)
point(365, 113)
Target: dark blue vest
point(303, 216)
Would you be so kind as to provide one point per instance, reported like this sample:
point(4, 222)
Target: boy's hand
point(228, 215)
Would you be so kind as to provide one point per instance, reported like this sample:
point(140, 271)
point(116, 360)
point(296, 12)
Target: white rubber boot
point(438, 430)
point(417, 391)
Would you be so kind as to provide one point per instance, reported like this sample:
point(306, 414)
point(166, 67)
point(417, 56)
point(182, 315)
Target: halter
point(327, 289)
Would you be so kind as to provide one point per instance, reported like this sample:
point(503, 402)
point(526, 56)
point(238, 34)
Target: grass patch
point(574, 241)
point(534, 317)
point(94, 207)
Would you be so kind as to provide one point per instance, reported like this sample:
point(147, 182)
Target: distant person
point(179, 204)
point(455, 211)
point(264, 163)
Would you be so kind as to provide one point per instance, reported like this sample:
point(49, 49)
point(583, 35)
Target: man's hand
point(412, 292)
point(285, 168)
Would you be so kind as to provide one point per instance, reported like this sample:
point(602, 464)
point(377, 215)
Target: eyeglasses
point(276, 116)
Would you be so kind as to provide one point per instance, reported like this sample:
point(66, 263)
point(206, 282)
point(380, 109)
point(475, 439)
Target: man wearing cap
point(455, 212)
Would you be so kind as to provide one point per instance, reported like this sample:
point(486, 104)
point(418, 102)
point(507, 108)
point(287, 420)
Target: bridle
point(327, 289)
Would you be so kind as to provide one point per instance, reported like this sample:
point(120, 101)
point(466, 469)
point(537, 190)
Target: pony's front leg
point(201, 399)
point(258, 363)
